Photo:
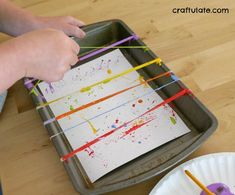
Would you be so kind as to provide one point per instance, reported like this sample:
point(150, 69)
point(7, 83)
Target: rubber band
point(115, 47)
point(84, 89)
point(29, 81)
point(108, 47)
point(29, 85)
point(134, 37)
point(123, 104)
point(157, 60)
point(89, 144)
point(145, 48)
point(102, 99)
point(33, 89)
point(49, 121)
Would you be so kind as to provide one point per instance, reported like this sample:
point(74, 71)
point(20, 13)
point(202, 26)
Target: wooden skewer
point(203, 187)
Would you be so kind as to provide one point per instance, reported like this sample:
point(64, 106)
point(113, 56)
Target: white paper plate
point(212, 168)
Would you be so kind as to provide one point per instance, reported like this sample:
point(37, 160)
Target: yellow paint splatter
point(106, 80)
point(109, 71)
point(159, 62)
point(85, 89)
point(94, 130)
point(142, 81)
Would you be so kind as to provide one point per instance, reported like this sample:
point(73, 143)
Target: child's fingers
point(74, 60)
point(75, 31)
point(76, 47)
point(74, 21)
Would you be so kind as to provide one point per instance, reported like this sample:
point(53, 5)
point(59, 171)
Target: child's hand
point(47, 54)
point(42, 54)
point(16, 21)
point(68, 24)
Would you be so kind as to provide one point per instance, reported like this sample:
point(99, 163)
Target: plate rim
point(187, 163)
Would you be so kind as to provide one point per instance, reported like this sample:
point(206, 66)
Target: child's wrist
point(38, 22)
point(17, 61)
point(11, 66)
point(35, 22)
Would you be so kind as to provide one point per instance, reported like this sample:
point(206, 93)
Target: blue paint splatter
point(174, 77)
point(113, 126)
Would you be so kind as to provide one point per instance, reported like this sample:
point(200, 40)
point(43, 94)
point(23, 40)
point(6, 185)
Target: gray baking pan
point(195, 115)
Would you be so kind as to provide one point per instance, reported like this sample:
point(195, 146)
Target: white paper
point(116, 149)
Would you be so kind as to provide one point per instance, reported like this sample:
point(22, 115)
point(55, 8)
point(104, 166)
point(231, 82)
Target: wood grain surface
point(199, 48)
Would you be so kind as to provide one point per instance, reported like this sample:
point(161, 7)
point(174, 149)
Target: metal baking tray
point(195, 115)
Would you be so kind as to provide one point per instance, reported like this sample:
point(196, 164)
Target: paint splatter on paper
point(103, 132)
point(173, 121)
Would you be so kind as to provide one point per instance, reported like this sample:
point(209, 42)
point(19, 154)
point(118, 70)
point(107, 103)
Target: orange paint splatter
point(172, 98)
point(135, 127)
point(140, 101)
point(104, 98)
point(142, 81)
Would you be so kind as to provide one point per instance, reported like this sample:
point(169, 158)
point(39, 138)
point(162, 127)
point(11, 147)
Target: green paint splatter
point(173, 121)
point(146, 49)
point(33, 92)
point(71, 107)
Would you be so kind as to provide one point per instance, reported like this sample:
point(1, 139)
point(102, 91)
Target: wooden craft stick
point(203, 187)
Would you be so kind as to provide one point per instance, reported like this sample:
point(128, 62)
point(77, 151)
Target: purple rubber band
point(29, 85)
point(29, 81)
point(48, 121)
point(134, 37)
point(108, 47)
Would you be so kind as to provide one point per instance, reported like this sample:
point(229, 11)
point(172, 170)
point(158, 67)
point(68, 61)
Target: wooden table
point(199, 48)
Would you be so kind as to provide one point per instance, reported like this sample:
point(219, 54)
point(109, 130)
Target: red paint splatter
point(90, 152)
point(133, 105)
point(172, 98)
point(116, 121)
point(104, 98)
point(140, 101)
point(135, 127)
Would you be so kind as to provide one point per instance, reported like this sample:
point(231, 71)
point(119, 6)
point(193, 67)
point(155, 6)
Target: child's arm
point(43, 54)
point(16, 21)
